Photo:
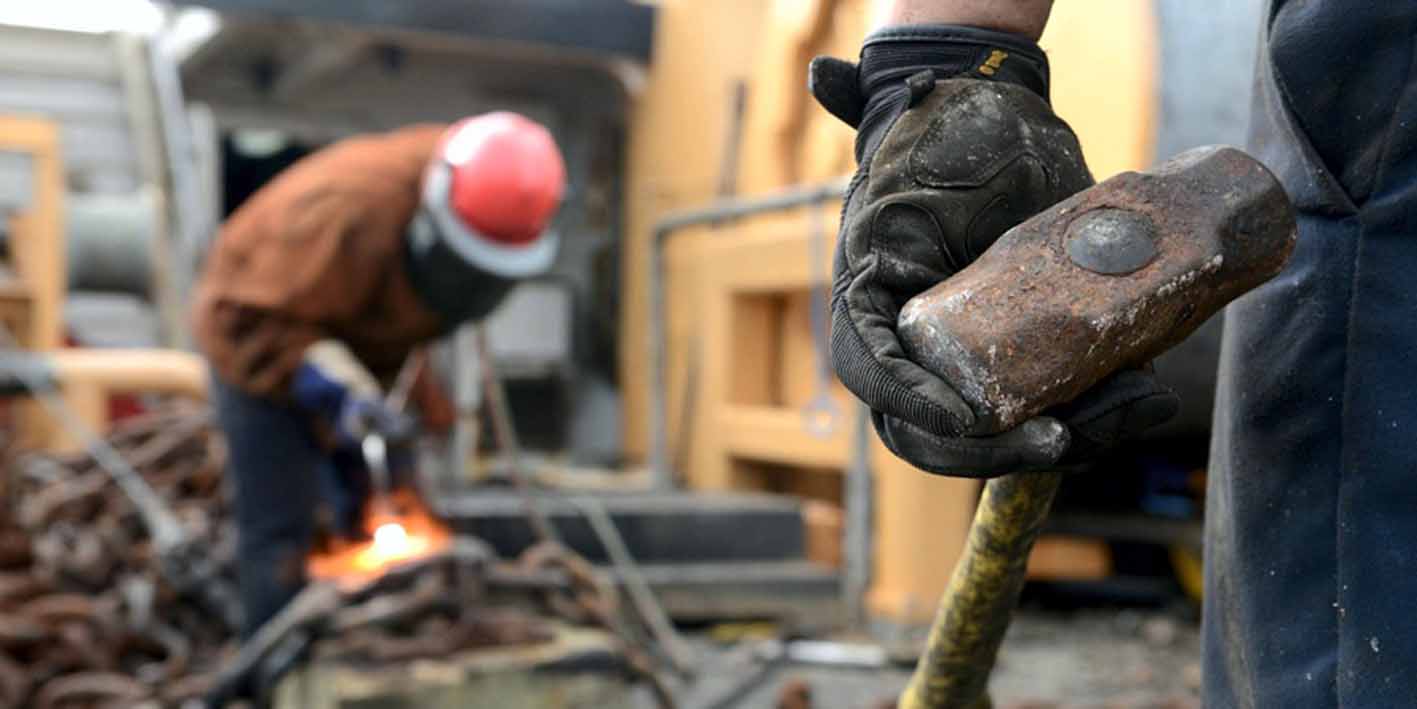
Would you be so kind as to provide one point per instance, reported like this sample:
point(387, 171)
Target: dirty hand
point(956, 144)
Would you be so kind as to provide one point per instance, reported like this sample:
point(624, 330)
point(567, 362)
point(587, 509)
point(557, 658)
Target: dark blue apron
point(1311, 560)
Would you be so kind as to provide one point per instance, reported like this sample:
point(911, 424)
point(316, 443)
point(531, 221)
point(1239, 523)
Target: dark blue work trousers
point(1311, 556)
point(273, 465)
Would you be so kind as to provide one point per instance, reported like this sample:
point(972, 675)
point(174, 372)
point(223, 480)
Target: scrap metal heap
point(87, 618)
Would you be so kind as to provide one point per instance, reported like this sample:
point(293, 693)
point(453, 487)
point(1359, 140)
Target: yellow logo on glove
point(992, 64)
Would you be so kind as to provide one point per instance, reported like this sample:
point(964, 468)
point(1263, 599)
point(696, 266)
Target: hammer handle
point(973, 616)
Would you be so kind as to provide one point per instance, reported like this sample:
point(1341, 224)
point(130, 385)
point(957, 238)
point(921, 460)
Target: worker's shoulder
point(415, 142)
point(359, 167)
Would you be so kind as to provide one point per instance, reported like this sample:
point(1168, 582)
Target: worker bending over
point(1311, 517)
point(347, 261)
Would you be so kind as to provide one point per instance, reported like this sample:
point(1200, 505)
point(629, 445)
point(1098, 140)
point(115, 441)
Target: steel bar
point(166, 531)
point(636, 587)
point(859, 500)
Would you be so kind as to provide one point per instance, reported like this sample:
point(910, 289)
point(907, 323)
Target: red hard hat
point(507, 177)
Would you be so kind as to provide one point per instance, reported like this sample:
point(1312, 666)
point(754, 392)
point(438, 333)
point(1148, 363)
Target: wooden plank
point(770, 254)
point(779, 435)
point(756, 341)
point(37, 243)
point(824, 523)
point(685, 348)
point(813, 484)
point(800, 380)
point(88, 378)
point(1057, 558)
point(132, 371)
point(710, 467)
point(90, 405)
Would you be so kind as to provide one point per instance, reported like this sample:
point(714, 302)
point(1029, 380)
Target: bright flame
point(407, 532)
point(391, 539)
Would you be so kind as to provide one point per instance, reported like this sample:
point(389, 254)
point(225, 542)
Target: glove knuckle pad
point(974, 130)
point(968, 140)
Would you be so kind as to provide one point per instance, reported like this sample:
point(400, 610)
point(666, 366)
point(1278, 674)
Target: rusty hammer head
point(1107, 279)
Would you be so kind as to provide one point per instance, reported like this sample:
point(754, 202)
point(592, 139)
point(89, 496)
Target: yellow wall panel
point(677, 132)
point(1104, 59)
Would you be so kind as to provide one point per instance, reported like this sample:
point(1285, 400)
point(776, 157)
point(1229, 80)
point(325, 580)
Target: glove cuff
point(891, 55)
point(896, 64)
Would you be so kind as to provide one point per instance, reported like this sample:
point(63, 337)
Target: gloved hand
point(352, 415)
point(956, 144)
point(361, 416)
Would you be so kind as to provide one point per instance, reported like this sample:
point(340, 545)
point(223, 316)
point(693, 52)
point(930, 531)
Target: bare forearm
point(1025, 17)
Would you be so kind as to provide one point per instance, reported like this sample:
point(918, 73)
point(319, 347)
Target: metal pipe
point(467, 398)
point(504, 430)
point(859, 501)
point(718, 213)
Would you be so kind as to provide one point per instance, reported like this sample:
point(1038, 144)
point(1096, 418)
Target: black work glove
point(956, 144)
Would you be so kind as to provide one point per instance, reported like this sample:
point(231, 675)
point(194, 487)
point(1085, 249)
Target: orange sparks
point(404, 533)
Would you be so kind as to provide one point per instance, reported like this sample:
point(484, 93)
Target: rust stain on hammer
point(1105, 280)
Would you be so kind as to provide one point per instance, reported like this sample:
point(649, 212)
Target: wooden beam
point(89, 378)
point(771, 254)
point(769, 434)
point(37, 233)
point(132, 371)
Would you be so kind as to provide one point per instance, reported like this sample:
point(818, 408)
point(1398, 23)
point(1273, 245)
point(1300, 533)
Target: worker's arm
point(280, 275)
point(956, 143)
point(1021, 17)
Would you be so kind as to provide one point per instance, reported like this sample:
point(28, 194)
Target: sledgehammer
point(1105, 280)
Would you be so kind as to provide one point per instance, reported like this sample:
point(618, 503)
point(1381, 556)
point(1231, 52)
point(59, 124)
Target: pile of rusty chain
point(88, 621)
point(85, 617)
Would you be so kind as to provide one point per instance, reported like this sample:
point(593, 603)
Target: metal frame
point(619, 28)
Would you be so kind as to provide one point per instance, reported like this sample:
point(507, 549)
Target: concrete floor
point(1089, 660)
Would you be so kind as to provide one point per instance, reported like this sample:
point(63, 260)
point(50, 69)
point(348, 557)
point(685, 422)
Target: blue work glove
point(352, 416)
point(364, 416)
